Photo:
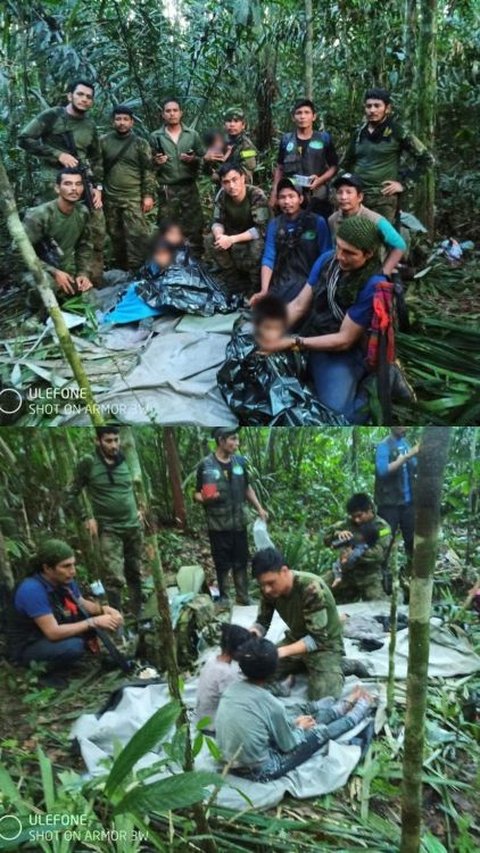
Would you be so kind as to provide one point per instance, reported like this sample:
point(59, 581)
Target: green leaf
point(154, 730)
point(47, 780)
point(176, 792)
point(430, 844)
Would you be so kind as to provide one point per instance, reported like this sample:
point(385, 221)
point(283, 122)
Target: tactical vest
point(313, 160)
point(22, 631)
point(389, 489)
point(228, 512)
point(296, 252)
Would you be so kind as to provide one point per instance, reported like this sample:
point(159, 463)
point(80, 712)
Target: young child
point(218, 672)
point(366, 537)
point(269, 389)
point(253, 728)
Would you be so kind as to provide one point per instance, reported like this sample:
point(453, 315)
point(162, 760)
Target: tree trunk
point(393, 629)
point(309, 49)
point(431, 465)
point(173, 465)
point(472, 501)
point(19, 236)
point(409, 43)
point(168, 634)
point(426, 86)
point(265, 94)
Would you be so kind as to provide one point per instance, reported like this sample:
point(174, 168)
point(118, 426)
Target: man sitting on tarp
point(258, 739)
point(45, 624)
point(314, 640)
point(269, 389)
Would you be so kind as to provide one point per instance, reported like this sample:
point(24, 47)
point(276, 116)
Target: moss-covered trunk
point(174, 470)
point(309, 49)
point(431, 465)
point(47, 295)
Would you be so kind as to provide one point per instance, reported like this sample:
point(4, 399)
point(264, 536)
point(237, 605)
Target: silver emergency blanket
point(327, 770)
point(269, 389)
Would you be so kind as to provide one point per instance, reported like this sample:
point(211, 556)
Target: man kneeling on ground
point(45, 623)
point(254, 731)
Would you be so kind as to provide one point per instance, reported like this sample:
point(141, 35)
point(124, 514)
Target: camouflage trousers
point(182, 203)
point(360, 586)
point(121, 552)
point(240, 265)
point(323, 670)
point(129, 231)
point(385, 205)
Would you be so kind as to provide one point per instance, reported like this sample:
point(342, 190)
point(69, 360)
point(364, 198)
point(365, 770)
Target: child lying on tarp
point(170, 281)
point(269, 389)
point(253, 729)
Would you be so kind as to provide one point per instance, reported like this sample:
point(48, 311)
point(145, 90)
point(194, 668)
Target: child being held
point(269, 389)
point(218, 672)
point(364, 538)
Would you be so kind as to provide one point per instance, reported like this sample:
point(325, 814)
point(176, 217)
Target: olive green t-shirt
point(131, 177)
point(110, 490)
point(70, 231)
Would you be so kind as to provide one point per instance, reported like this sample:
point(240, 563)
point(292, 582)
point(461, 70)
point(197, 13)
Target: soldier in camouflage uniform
point(177, 155)
point(59, 231)
point(240, 218)
point(129, 190)
point(116, 519)
point(314, 642)
point(375, 152)
point(48, 137)
point(238, 149)
point(364, 580)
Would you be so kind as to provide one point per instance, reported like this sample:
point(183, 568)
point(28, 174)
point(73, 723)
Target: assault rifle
point(83, 169)
point(50, 252)
point(125, 664)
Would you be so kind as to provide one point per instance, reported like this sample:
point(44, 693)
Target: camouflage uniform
point(128, 180)
point(71, 232)
point(178, 193)
point(110, 490)
point(364, 580)
point(310, 614)
point(376, 157)
point(241, 258)
point(44, 136)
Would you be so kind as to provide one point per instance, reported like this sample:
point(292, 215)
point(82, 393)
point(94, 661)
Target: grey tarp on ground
point(175, 379)
point(450, 655)
point(326, 771)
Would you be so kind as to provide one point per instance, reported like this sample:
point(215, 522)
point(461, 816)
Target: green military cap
point(234, 112)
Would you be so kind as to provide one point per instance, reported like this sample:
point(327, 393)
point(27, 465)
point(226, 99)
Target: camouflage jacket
point(72, 234)
point(236, 218)
point(309, 611)
point(374, 557)
point(44, 136)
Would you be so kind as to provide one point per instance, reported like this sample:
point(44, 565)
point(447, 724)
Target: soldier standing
point(67, 137)
point(223, 489)
point(238, 149)
point(177, 155)
point(129, 190)
point(116, 518)
point(375, 152)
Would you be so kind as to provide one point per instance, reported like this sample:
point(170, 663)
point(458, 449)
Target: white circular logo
point(10, 401)
point(10, 831)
